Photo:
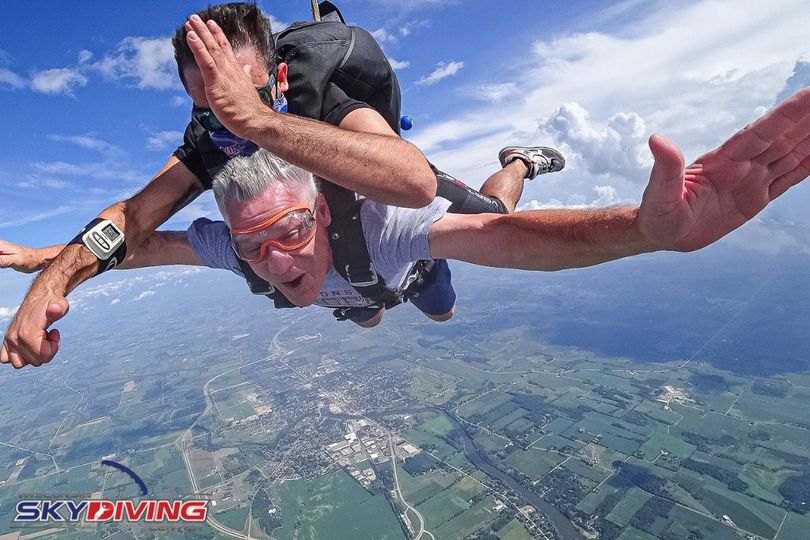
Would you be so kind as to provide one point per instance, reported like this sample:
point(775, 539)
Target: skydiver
point(277, 224)
point(226, 60)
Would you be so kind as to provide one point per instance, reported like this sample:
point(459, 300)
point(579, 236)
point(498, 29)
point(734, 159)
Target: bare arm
point(540, 239)
point(387, 169)
point(682, 209)
point(161, 248)
point(28, 340)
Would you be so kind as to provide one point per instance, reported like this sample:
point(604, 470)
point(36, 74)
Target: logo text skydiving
point(102, 510)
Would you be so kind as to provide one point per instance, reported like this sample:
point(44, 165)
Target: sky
point(91, 105)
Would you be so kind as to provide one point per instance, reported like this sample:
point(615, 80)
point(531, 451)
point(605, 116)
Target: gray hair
point(247, 177)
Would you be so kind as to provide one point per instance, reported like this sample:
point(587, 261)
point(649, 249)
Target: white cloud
point(25, 219)
point(10, 80)
point(164, 139)
point(739, 56)
point(145, 294)
point(618, 148)
point(85, 56)
point(149, 62)
point(442, 71)
point(57, 81)
point(798, 80)
point(605, 196)
point(115, 301)
point(38, 182)
point(99, 171)
point(89, 142)
point(7, 312)
point(180, 101)
point(492, 92)
point(408, 28)
point(383, 36)
point(277, 25)
point(399, 64)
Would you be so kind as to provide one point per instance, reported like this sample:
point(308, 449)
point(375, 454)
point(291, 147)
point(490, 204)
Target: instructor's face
point(298, 273)
point(195, 86)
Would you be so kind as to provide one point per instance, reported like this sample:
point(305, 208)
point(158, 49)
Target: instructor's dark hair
point(244, 25)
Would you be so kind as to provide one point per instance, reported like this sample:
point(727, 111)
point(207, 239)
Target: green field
point(796, 527)
point(746, 512)
point(532, 462)
point(469, 521)
point(234, 518)
point(335, 507)
point(661, 441)
point(628, 506)
point(514, 530)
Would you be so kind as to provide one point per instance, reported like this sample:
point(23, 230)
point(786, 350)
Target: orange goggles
point(290, 229)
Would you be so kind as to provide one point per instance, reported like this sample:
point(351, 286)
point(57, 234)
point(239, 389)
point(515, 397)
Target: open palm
point(685, 209)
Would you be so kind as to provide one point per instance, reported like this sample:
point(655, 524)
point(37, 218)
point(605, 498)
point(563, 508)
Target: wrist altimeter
point(104, 240)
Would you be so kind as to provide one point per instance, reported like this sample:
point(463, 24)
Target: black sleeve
point(336, 105)
point(189, 154)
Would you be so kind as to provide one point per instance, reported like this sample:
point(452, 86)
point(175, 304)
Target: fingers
point(667, 177)
point(756, 138)
point(790, 179)
point(202, 55)
point(208, 42)
point(791, 160)
point(30, 342)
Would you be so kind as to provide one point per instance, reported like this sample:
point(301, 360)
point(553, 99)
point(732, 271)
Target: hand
point(229, 87)
point(28, 340)
point(19, 258)
point(687, 209)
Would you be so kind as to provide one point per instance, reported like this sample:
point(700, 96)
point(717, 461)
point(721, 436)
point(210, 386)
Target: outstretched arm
point(385, 168)
point(682, 209)
point(161, 248)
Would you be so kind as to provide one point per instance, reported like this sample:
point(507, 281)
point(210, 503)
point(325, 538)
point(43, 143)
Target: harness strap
point(351, 259)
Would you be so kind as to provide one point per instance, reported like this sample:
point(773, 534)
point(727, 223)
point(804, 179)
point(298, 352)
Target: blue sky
point(91, 106)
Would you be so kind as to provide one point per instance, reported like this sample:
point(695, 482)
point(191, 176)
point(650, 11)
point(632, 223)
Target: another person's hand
point(685, 209)
point(28, 340)
point(19, 258)
point(229, 86)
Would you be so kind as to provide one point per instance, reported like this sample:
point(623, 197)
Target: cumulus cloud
point(798, 80)
point(442, 71)
point(10, 80)
point(57, 81)
point(7, 312)
point(148, 62)
point(618, 148)
point(115, 301)
point(164, 139)
point(145, 294)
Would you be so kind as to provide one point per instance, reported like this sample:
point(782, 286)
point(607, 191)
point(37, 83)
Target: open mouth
point(294, 282)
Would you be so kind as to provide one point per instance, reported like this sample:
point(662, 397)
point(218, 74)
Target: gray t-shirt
point(396, 238)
